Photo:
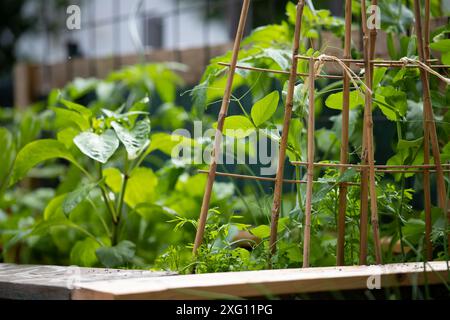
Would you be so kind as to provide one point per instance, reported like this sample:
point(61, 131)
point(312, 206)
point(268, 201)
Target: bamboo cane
point(368, 128)
point(247, 177)
point(345, 136)
point(364, 206)
point(299, 74)
point(429, 115)
point(426, 151)
point(220, 125)
point(284, 138)
point(310, 170)
point(359, 166)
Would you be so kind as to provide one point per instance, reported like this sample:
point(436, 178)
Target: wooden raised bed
point(62, 283)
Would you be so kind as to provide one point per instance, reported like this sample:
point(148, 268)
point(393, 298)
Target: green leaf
point(348, 176)
point(279, 56)
point(141, 187)
point(66, 117)
point(264, 109)
point(446, 58)
point(136, 140)
point(167, 142)
point(113, 179)
point(37, 152)
point(85, 112)
point(446, 152)
point(336, 101)
point(118, 256)
point(378, 76)
point(138, 107)
point(83, 253)
point(237, 127)
point(413, 230)
point(42, 228)
point(391, 45)
point(392, 102)
point(441, 46)
point(76, 197)
point(67, 135)
point(261, 232)
point(97, 147)
point(54, 208)
point(7, 157)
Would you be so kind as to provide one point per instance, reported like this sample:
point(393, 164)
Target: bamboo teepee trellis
point(367, 167)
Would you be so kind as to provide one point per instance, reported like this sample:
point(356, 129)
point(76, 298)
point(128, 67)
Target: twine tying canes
point(420, 64)
point(354, 78)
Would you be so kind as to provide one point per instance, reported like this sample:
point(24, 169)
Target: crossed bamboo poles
point(367, 167)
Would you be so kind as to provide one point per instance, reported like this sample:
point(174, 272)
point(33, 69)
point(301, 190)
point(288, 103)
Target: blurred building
point(117, 27)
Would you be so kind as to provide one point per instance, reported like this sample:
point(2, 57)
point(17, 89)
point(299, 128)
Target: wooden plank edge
point(266, 283)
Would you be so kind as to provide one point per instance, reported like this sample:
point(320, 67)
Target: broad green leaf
point(409, 144)
point(281, 57)
point(215, 89)
point(7, 157)
point(294, 140)
point(151, 211)
point(76, 197)
point(348, 176)
point(136, 140)
point(141, 187)
point(54, 208)
point(37, 152)
point(261, 232)
point(237, 127)
point(67, 135)
point(300, 97)
point(43, 227)
point(446, 58)
point(378, 76)
point(139, 106)
point(117, 115)
point(85, 112)
point(294, 254)
point(97, 147)
point(113, 179)
point(441, 46)
point(393, 102)
point(118, 256)
point(413, 230)
point(264, 109)
point(391, 45)
point(336, 101)
point(83, 253)
point(65, 117)
point(446, 152)
point(30, 127)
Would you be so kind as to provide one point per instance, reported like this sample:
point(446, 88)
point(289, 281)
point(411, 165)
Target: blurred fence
point(130, 32)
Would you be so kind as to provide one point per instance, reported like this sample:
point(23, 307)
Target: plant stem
point(105, 225)
point(399, 215)
point(299, 191)
point(400, 208)
point(120, 203)
point(107, 201)
point(87, 233)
